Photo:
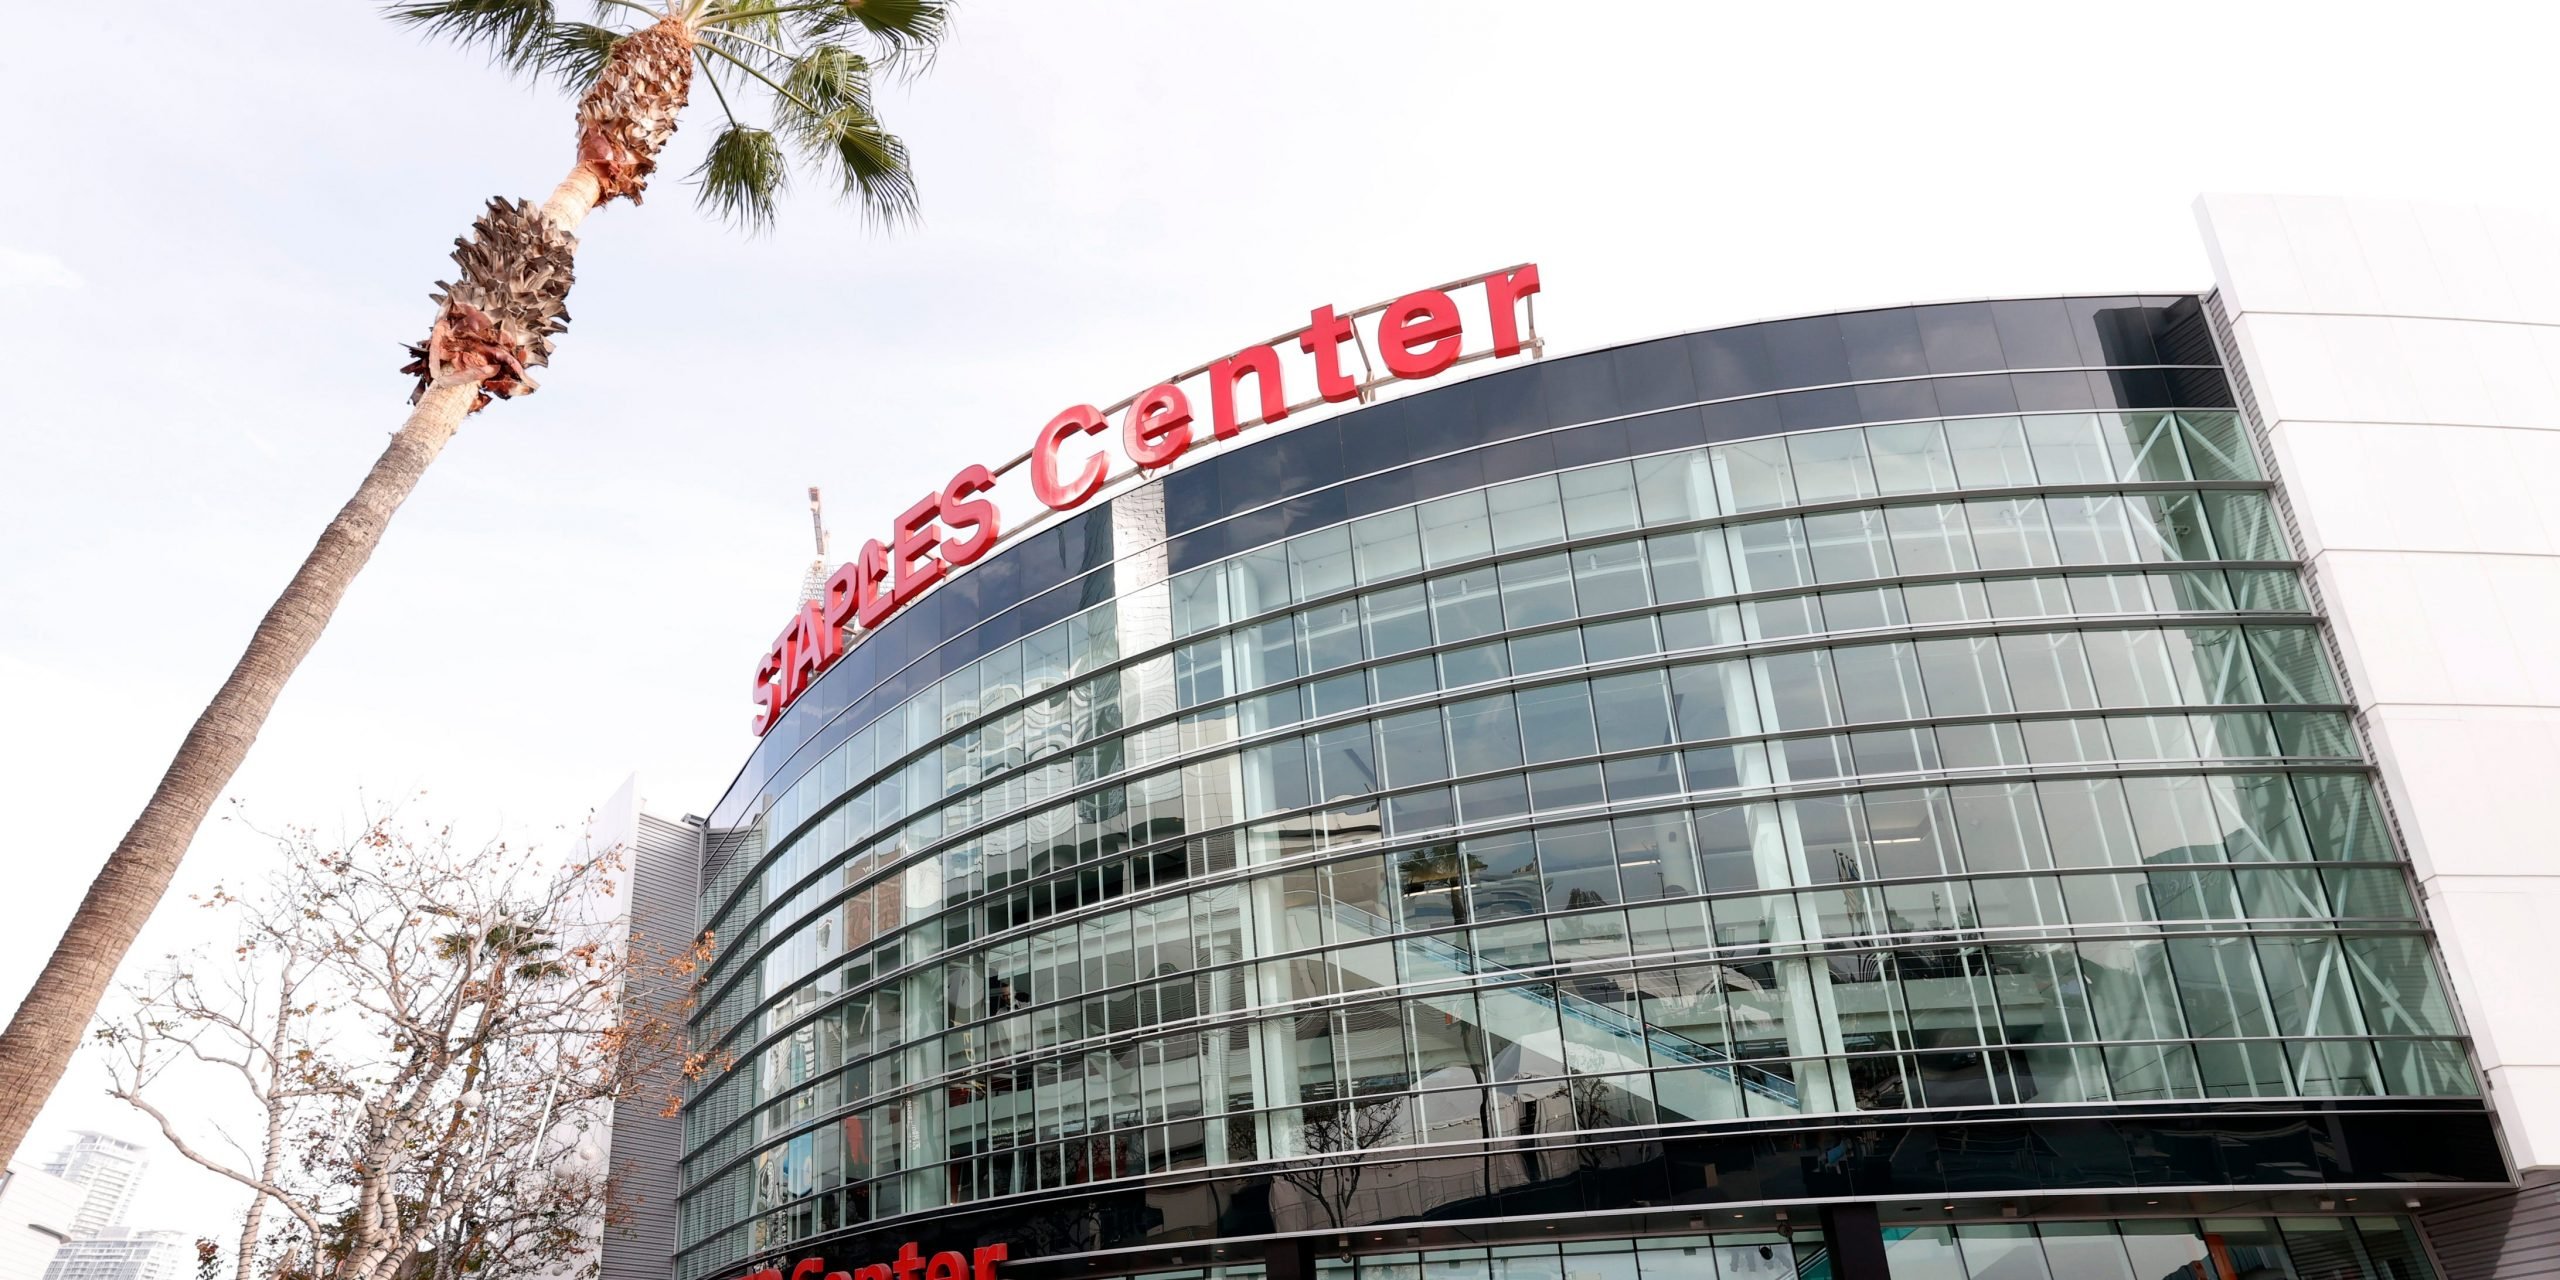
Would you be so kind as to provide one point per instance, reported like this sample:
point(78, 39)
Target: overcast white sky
point(216, 232)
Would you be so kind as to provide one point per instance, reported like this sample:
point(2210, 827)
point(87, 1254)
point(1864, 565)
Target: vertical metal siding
point(648, 1146)
point(2502, 1237)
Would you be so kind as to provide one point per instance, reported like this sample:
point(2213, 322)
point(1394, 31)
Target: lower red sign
point(910, 1264)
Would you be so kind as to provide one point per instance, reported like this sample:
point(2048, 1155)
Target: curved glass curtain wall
point(1946, 763)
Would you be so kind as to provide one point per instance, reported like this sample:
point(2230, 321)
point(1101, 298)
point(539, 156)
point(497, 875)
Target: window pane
point(1631, 711)
point(2244, 525)
point(1878, 682)
point(1412, 749)
point(2291, 665)
point(2215, 446)
point(1831, 466)
point(1610, 578)
point(1466, 606)
point(1526, 513)
point(1931, 539)
point(1676, 487)
point(1555, 721)
point(1770, 555)
point(2011, 533)
point(2144, 445)
point(1963, 676)
point(2048, 672)
point(2068, 450)
point(1387, 545)
point(1536, 591)
point(1713, 700)
point(1320, 562)
point(1990, 452)
point(1848, 546)
point(1796, 690)
point(1456, 528)
point(1484, 733)
point(1754, 475)
point(1911, 457)
point(1689, 566)
point(1599, 500)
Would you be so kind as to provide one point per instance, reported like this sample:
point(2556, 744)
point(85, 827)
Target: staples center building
point(2012, 789)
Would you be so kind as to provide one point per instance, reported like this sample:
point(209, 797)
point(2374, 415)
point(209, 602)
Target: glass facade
point(1682, 750)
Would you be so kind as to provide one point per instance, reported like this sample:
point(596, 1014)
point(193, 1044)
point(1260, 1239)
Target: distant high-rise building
point(118, 1254)
point(108, 1170)
point(36, 1210)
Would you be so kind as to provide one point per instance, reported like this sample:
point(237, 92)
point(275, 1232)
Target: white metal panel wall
point(2406, 360)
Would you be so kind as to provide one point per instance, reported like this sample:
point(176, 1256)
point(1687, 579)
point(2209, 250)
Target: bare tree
point(425, 1037)
point(1335, 1134)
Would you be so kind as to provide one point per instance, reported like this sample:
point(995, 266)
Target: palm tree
point(809, 63)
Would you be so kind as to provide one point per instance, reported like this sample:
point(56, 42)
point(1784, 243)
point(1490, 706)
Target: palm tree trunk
point(50, 1024)
point(496, 320)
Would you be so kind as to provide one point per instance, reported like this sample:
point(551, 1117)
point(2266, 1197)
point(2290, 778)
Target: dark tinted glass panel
point(1806, 352)
point(1670, 429)
point(1599, 442)
point(1740, 419)
point(2139, 388)
point(1964, 397)
point(1291, 463)
point(1513, 459)
point(1654, 374)
point(2035, 333)
point(1379, 493)
point(2111, 330)
point(2037, 392)
point(1190, 498)
point(1385, 439)
point(2198, 388)
point(1897, 401)
point(2180, 331)
point(1732, 362)
point(1883, 344)
point(1827, 407)
point(1449, 475)
point(1510, 403)
point(1959, 338)
point(1580, 388)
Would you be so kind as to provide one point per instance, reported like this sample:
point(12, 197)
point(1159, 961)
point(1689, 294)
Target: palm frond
point(741, 175)
point(871, 166)
point(906, 32)
point(578, 51)
point(827, 79)
point(514, 33)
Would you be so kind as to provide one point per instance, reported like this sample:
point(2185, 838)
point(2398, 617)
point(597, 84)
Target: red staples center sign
point(1418, 335)
point(911, 1264)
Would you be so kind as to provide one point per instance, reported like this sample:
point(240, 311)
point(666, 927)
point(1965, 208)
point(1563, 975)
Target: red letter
point(806, 1267)
point(871, 605)
point(873, 1272)
point(1158, 428)
point(814, 645)
point(1264, 364)
point(962, 508)
point(1502, 293)
point(909, 1261)
point(947, 1266)
point(989, 1255)
point(842, 596)
point(912, 566)
point(769, 702)
point(1427, 320)
point(1083, 419)
point(1323, 340)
